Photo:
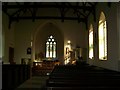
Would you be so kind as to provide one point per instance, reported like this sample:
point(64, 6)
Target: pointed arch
point(41, 34)
point(102, 37)
point(91, 41)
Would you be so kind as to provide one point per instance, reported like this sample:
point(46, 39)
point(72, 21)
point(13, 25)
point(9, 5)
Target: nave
point(37, 36)
point(34, 83)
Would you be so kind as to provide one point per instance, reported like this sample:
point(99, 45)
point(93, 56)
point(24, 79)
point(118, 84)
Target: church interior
point(60, 45)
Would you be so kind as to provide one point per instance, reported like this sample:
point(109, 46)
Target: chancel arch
point(44, 32)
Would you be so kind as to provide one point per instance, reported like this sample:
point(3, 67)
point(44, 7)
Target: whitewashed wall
point(111, 17)
point(118, 28)
point(0, 34)
point(7, 37)
point(71, 30)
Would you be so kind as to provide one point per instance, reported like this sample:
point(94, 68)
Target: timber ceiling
point(78, 11)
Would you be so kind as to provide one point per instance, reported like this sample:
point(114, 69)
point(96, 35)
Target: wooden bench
point(14, 75)
point(66, 77)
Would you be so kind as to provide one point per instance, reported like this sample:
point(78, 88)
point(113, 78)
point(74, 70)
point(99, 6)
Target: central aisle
point(35, 83)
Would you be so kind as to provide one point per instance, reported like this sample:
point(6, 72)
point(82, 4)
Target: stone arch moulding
point(43, 31)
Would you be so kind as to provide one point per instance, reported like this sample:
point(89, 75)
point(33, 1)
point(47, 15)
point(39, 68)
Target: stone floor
point(34, 83)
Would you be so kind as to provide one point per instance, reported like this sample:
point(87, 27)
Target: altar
point(44, 67)
point(46, 63)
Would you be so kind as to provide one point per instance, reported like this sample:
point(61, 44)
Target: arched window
point(91, 42)
point(102, 33)
point(51, 47)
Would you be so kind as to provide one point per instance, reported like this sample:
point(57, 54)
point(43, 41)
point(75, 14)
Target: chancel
point(60, 45)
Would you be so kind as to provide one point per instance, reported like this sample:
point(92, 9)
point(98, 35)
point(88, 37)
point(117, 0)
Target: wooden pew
point(66, 77)
point(83, 88)
point(14, 75)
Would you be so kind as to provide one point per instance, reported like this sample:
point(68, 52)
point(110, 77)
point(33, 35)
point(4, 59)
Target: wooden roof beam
point(46, 6)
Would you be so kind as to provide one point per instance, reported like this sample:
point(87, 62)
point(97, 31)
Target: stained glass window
point(47, 49)
point(91, 42)
point(51, 47)
point(102, 31)
point(54, 49)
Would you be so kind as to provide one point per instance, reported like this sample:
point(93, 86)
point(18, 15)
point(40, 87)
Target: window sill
point(103, 59)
